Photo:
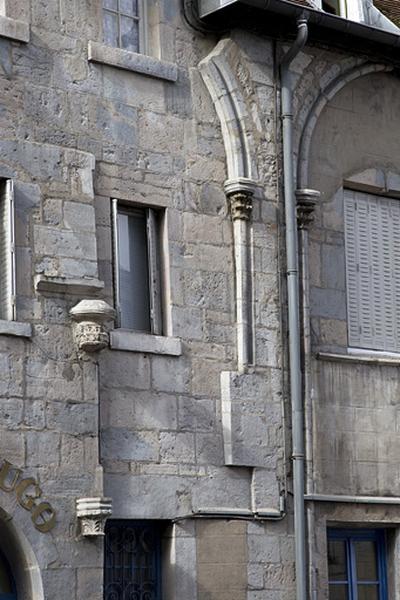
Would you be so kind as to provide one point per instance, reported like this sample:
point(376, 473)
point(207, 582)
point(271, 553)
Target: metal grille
point(132, 560)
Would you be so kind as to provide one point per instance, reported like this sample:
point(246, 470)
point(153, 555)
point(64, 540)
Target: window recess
point(132, 559)
point(137, 269)
point(357, 564)
point(7, 252)
point(372, 238)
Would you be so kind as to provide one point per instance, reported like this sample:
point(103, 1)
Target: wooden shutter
point(7, 253)
point(372, 271)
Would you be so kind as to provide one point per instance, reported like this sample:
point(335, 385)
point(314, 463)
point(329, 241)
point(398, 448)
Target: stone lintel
point(64, 285)
point(15, 329)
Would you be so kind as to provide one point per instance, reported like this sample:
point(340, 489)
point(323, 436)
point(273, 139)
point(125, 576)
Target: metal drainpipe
point(293, 309)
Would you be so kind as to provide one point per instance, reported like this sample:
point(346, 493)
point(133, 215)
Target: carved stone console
point(306, 202)
point(92, 514)
point(90, 317)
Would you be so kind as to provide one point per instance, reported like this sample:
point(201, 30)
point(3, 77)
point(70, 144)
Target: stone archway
point(21, 559)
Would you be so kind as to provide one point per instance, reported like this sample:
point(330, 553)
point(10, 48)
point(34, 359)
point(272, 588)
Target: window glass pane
point(113, 4)
point(337, 560)
point(338, 592)
point(128, 7)
point(129, 34)
point(133, 271)
point(110, 29)
point(368, 592)
point(331, 6)
point(366, 560)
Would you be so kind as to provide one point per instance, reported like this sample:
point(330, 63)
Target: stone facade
point(191, 427)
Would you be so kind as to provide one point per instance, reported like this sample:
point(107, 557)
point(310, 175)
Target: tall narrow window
point(124, 24)
point(372, 230)
point(132, 560)
point(137, 270)
point(7, 252)
point(357, 564)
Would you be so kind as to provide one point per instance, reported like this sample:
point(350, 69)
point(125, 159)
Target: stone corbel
point(90, 317)
point(240, 195)
point(92, 514)
point(306, 202)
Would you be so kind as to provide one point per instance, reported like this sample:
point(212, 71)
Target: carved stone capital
point(90, 332)
point(92, 514)
point(240, 193)
point(241, 205)
point(90, 336)
point(306, 202)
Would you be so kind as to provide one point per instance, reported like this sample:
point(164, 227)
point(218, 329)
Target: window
point(372, 235)
point(137, 272)
point(7, 252)
point(124, 24)
point(356, 564)
point(331, 6)
point(132, 559)
point(7, 586)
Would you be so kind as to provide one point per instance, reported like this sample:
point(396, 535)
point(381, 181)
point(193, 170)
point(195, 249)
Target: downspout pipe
point(293, 309)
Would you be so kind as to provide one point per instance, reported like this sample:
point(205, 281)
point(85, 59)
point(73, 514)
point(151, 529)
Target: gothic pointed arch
point(226, 81)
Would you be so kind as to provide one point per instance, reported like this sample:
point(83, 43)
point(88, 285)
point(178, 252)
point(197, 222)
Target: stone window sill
point(16, 329)
point(356, 355)
point(133, 341)
point(131, 61)
point(14, 30)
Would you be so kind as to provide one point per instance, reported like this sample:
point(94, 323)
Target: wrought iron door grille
point(132, 558)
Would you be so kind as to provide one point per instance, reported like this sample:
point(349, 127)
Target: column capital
point(240, 193)
point(306, 202)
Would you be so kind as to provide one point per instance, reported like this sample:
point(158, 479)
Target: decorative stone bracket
point(92, 514)
point(306, 202)
point(90, 332)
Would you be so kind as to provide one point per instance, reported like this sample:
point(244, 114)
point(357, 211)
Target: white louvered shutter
point(7, 253)
point(372, 231)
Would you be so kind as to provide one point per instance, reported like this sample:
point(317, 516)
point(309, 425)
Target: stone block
point(43, 449)
point(249, 408)
point(79, 217)
point(177, 447)
point(76, 419)
point(170, 374)
point(125, 444)
point(11, 412)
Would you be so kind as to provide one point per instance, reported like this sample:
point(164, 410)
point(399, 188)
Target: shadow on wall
point(22, 561)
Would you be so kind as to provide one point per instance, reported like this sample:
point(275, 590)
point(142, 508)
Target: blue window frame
point(357, 564)
point(132, 560)
point(7, 585)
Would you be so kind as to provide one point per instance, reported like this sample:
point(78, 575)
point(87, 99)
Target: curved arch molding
point(321, 101)
point(220, 74)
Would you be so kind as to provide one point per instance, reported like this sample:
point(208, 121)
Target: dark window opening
point(132, 560)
